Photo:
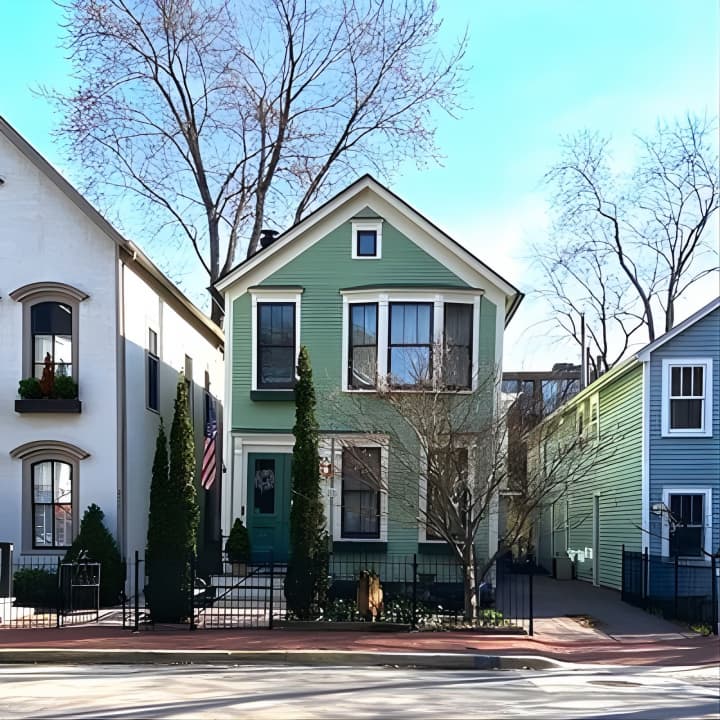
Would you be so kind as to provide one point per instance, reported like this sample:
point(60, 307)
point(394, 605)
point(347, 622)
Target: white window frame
point(360, 442)
point(593, 426)
point(383, 298)
point(268, 295)
point(707, 517)
point(706, 414)
point(376, 226)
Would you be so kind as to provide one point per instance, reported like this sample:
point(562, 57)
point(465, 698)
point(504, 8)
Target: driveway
point(556, 601)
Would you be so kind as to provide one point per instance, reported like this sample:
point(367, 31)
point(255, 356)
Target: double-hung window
point(410, 344)
point(51, 331)
point(447, 495)
point(687, 398)
point(363, 346)
point(153, 372)
point(457, 365)
point(51, 492)
point(686, 525)
point(361, 492)
point(276, 345)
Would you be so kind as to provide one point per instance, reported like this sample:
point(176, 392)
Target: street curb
point(437, 661)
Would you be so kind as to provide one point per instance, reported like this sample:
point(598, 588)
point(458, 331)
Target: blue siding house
point(681, 438)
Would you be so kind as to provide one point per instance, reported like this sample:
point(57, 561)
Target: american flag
point(209, 463)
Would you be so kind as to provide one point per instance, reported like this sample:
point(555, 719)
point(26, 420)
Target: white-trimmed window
point(588, 420)
point(687, 398)
point(687, 527)
point(275, 338)
point(360, 512)
point(444, 497)
point(362, 346)
point(153, 372)
point(366, 239)
point(397, 337)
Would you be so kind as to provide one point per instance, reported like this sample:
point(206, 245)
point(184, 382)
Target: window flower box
point(48, 405)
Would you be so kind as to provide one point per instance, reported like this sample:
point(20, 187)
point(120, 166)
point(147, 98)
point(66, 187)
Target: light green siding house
point(367, 284)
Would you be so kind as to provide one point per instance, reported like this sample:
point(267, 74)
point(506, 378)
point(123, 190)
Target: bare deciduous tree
point(222, 113)
point(625, 248)
point(450, 464)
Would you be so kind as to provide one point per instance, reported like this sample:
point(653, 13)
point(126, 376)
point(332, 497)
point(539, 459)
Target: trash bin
point(563, 568)
point(6, 576)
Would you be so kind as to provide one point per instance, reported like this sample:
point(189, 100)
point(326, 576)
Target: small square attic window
point(366, 239)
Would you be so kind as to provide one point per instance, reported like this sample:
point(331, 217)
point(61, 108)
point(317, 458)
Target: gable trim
point(367, 182)
point(644, 354)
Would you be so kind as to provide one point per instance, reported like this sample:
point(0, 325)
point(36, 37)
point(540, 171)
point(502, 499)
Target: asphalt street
point(196, 691)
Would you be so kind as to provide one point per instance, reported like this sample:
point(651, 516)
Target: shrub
point(35, 587)
point(95, 543)
point(29, 389)
point(65, 387)
point(238, 543)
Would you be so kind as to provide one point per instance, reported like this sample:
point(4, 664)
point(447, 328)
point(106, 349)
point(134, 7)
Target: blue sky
point(540, 69)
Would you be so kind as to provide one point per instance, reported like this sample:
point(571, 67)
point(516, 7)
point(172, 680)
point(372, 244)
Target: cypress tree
point(174, 517)
point(95, 543)
point(306, 580)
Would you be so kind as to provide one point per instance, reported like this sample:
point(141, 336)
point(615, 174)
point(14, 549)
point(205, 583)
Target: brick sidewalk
point(581, 647)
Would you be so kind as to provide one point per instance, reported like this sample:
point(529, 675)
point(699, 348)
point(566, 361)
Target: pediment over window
point(39, 289)
point(47, 447)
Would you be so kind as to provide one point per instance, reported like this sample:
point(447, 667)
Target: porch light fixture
point(326, 468)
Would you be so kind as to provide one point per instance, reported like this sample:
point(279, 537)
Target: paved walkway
point(621, 635)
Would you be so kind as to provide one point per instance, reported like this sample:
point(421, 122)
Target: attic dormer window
point(366, 239)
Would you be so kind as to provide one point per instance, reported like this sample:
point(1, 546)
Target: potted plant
point(237, 547)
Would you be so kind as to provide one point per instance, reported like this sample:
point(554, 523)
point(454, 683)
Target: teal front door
point(269, 505)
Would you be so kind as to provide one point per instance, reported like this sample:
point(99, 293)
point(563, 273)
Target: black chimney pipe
point(267, 237)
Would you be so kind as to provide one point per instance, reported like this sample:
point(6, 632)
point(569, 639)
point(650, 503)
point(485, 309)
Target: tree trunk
point(470, 609)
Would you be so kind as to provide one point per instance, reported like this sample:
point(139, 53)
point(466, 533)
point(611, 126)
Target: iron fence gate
point(47, 593)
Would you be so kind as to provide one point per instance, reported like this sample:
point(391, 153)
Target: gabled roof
point(130, 252)
point(641, 356)
point(367, 182)
point(644, 354)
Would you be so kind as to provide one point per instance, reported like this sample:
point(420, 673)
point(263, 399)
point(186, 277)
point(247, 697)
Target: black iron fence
point(45, 592)
point(239, 595)
point(413, 591)
point(428, 592)
point(677, 588)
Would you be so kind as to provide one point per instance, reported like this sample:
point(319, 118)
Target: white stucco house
point(77, 299)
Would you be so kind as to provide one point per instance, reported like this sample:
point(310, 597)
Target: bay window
point(363, 345)
point(410, 344)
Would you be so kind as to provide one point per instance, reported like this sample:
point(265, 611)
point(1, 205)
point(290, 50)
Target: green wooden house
point(368, 285)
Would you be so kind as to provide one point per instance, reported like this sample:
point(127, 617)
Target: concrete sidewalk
point(574, 622)
point(458, 649)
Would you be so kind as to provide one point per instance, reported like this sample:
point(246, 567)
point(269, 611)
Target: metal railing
point(677, 588)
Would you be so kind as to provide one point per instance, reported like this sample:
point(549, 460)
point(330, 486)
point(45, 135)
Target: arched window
point(51, 330)
point(50, 327)
point(50, 494)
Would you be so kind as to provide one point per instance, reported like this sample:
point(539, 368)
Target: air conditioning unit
point(563, 568)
